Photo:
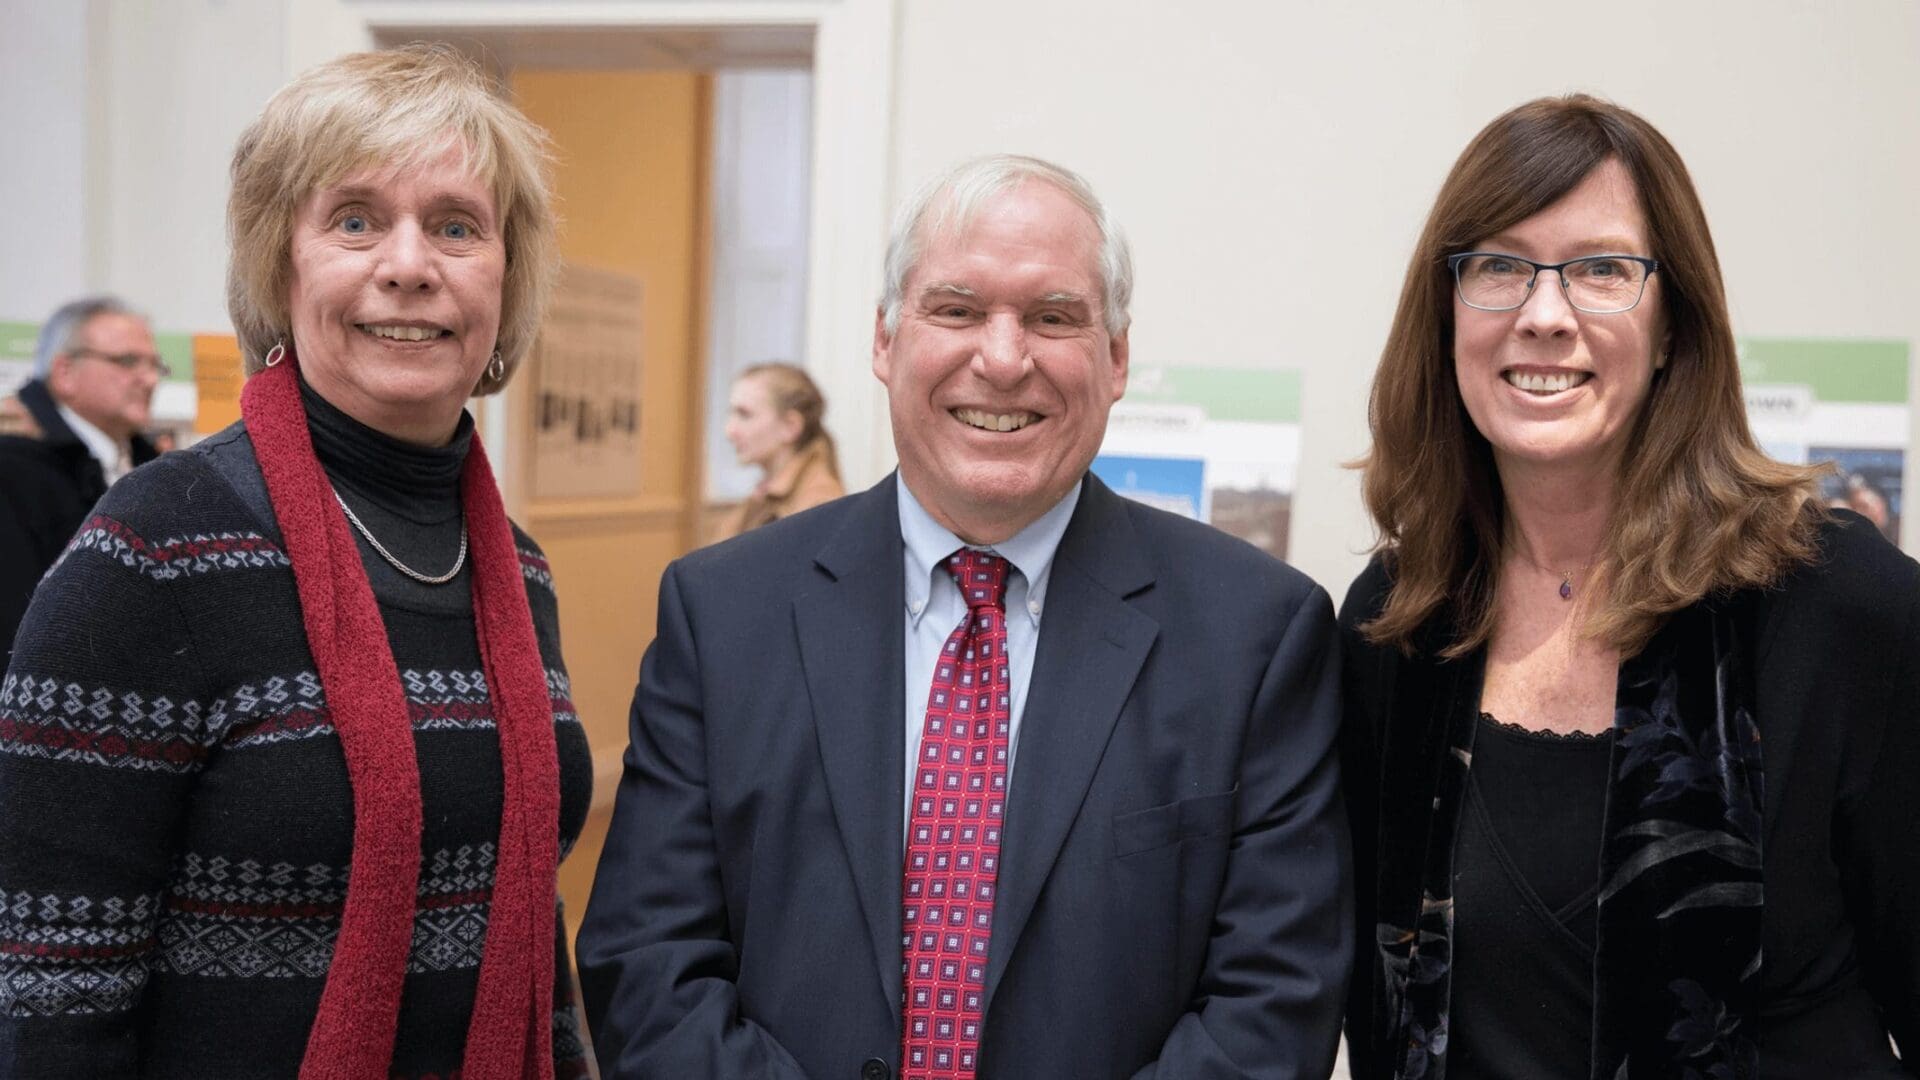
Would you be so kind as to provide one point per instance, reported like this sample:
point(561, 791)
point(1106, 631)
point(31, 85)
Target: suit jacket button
point(875, 1069)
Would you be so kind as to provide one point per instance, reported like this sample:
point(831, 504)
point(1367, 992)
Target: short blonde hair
point(396, 108)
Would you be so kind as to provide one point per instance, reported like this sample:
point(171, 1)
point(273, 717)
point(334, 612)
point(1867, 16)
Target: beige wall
point(1274, 161)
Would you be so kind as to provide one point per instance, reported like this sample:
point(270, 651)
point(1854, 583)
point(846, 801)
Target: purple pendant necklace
point(1566, 579)
point(1565, 575)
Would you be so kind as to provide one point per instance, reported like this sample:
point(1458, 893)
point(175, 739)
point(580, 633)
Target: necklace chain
point(425, 579)
point(1565, 576)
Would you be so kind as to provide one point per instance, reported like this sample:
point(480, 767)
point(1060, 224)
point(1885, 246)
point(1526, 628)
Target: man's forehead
point(116, 325)
point(1047, 250)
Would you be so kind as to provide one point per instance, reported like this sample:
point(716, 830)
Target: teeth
point(403, 333)
point(1546, 384)
point(994, 421)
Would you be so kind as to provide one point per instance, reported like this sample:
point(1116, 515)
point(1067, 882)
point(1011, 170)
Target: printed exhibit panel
point(1220, 445)
point(218, 375)
point(586, 440)
point(1837, 401)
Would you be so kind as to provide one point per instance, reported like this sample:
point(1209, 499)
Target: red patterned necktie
point(953, 833)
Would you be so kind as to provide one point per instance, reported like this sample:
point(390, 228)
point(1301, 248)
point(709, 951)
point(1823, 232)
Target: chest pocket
point(1158, 826)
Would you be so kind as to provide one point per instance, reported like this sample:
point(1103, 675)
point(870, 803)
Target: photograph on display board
point(1174, 484)
point(1866, 482)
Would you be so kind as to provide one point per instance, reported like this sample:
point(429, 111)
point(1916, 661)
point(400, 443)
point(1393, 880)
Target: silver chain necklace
point(424, 579)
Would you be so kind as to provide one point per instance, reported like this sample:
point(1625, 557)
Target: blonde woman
point(286, 750)
point(774, 416)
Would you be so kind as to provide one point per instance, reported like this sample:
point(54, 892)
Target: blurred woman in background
point(288, 760)
point(1598, 616)
point(773, 422)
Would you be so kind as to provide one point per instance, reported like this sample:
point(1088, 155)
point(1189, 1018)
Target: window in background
point(762, 158)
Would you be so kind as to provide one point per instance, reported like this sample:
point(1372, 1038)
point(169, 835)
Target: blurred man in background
point(69, 432)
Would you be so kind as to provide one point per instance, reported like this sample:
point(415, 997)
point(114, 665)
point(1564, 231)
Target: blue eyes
point(359, 225)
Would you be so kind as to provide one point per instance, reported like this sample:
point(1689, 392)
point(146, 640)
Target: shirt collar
point(98, 443)
point(1030, 551)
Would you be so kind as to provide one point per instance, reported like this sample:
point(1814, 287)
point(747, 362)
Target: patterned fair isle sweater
point(179, 818)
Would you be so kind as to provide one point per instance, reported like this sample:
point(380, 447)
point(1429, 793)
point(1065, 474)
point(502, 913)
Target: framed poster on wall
point(586, 388)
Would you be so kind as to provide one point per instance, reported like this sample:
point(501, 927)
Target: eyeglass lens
point(1601, 285)
point(130, 361)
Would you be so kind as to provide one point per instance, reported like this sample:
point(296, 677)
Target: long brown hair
point(1698, 508)
point(791, 389)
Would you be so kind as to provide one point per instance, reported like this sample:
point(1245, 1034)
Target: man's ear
point(60, 375)
point(1119, 352)
point(882, 346)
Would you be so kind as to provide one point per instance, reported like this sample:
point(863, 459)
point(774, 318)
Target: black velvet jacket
point(1820, 675)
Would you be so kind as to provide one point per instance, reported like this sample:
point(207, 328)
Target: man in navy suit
point(985, 772)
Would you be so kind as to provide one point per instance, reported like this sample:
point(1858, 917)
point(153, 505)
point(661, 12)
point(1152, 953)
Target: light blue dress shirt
point(935, 608)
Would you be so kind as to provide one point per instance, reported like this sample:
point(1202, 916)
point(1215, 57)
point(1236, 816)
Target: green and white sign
point(16, 354)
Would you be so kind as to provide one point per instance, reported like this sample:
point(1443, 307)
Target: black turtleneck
point(405, 494)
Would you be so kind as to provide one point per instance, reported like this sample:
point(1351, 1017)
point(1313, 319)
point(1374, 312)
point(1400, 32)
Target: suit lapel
point(1092, 645)
point(850, 636)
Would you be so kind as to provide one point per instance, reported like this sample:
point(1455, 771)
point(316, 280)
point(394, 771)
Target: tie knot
point(982, 578)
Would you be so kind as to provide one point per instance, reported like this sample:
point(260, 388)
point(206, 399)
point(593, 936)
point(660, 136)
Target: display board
point(1839, 401)
point(16, 354)
point(217, 377)
point(586, 388)
point(1220, 445)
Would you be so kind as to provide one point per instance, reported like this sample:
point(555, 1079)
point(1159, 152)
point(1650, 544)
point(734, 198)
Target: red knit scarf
point(509, 1036)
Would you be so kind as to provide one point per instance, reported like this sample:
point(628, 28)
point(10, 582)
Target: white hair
point(62, 330)
point(951, 199)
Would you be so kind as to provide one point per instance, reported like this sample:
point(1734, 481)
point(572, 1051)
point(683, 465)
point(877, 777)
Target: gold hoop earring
point(497, 368)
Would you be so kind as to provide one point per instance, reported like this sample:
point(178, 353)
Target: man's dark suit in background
point(96, 357)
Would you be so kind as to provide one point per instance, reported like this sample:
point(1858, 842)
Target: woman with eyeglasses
point(287, 755)
point(1632, 742)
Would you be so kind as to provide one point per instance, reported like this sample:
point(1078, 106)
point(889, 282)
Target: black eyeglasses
point(1596, 284)
point(132, 361)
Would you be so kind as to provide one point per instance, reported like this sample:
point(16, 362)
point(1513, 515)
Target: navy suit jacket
point(1175, 874)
